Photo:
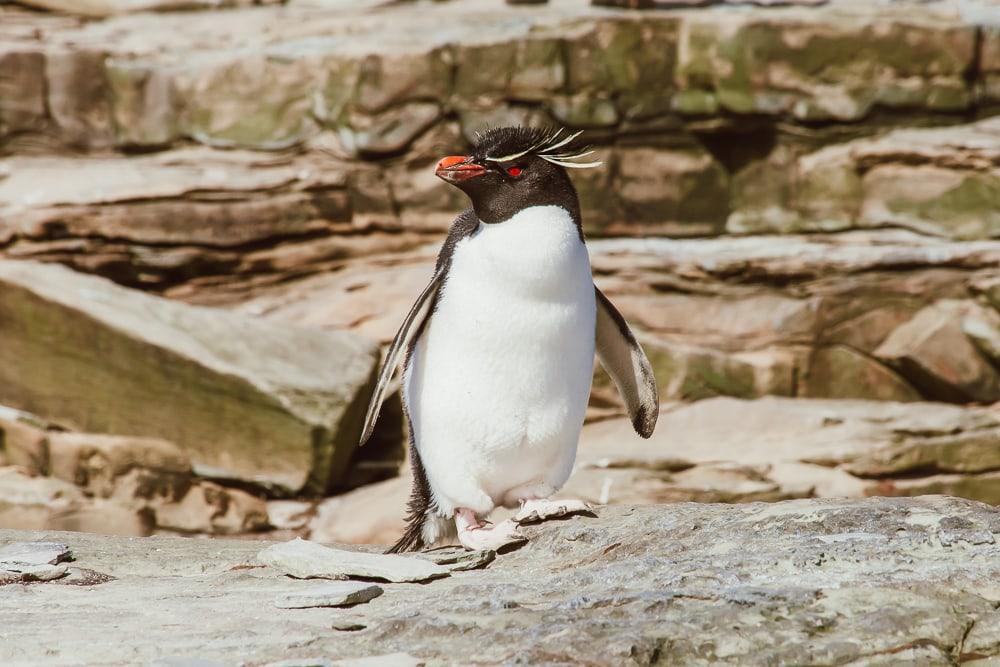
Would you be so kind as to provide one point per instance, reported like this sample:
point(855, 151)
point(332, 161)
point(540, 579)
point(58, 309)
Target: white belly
point(499, 381)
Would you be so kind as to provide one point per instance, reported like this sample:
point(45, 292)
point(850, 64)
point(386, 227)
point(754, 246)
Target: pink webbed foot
point(476, 535)
point(536, 511)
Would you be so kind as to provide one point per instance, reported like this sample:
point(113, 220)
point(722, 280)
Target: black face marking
point(522, 182)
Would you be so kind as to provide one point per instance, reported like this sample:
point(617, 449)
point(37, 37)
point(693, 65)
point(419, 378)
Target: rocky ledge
point(816, 582)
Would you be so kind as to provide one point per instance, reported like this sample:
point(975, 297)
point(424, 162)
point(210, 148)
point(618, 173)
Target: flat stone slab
point(34, 553)
point(306, 560)
point(334, 594)
point(824, 582)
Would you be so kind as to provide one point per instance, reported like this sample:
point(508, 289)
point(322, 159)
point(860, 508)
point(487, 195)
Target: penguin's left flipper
point(626, 363)
point(411, 326)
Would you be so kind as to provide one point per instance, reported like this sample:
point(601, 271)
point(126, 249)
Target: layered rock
point(257, 401)
point(111, 484)
point(800, 582)
point(812, 316)
point(721, 105)
point(730, 450)
point(940, 182)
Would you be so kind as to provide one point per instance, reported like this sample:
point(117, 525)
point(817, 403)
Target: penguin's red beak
point(458, 168)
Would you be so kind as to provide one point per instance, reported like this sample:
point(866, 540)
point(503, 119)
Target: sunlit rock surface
point(823, 582)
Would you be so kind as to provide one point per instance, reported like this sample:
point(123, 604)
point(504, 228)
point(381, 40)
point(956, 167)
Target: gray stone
point(334, 594)
point(873, 581)
point(34, 553)
point(236, 389)
point(457, 558)
point(303, 559)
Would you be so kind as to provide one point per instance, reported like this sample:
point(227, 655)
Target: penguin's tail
point(424, 526)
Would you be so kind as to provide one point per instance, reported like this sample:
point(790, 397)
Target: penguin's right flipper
point(626, 363)
point(411, 325)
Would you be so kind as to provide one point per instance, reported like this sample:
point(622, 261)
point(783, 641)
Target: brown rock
point(29, 503)
point(230, 390)
point(104, 517)
point(22, 90)
point(934, 354)
point(373, 514)
point(210, 508)
point(124, 467)
point(23, 442)
point(839, 371)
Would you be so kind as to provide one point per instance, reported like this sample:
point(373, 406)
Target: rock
point(98, 464)
point(678, 192)
point(372, 514)
point(334, 594)
point(236, 389)
point(289, 514)
point(105, 8)
point(29, 573)
point(34, 553)
point(259, 100)
point(939, 181)
point(168, 217)
point(390, 132)
point(210, 508)
point(387, 660)
point(106, 518)
point(864, 437)
point(29, 503)
point(457, 558)
point(934, 353)
point(897, 579)
point(22, 442)
point(304, 559)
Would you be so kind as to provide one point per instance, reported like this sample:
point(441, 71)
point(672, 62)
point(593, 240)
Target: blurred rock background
point(214, 212)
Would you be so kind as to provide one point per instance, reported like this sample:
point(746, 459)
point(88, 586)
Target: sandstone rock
point(105, 517)
point(878, 62)
point(984, 486)
point(28, 503)
point(939, 181)
point(22, 90)
point(372, 514)
point(389, 132)
point(97, 464)
point(289, 514)
point(303, 559)
point(681, 192)
point(159, 218)
point(22, 442)
point(333, 594)
point(104, 8)
point(803, 581)
point(934, 353)
point(868, 439)
point(210, 508)
point(840, 371)
point(235, 389)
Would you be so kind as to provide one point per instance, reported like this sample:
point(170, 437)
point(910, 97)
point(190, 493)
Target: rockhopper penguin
point(499, 347)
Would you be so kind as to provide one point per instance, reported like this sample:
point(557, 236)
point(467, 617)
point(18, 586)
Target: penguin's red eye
point(514, 171)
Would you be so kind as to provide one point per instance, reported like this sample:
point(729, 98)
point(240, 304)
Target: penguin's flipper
point(411, 325)
point(626, 363)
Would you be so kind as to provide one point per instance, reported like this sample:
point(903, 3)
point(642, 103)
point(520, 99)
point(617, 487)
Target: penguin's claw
point(536, 511)
point(495, 538)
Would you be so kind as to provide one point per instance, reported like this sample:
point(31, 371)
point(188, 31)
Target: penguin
point(498, 349)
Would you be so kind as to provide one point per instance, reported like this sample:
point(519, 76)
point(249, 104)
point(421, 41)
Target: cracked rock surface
point(820, 582)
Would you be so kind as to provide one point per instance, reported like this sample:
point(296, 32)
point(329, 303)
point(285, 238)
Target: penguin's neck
point(538, 248)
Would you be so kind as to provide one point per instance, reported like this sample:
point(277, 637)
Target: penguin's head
point(513, 168)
